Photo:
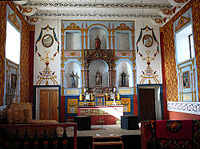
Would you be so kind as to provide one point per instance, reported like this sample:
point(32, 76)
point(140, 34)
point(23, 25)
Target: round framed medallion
point(47, 40)
point(147, 40)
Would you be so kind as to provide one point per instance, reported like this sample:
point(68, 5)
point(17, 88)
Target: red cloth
point(103, 120)
point(102, 115)
point(180, 129)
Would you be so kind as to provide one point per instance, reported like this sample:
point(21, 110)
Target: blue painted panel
point(66, 103)
point(103, 99)
point(131, 104)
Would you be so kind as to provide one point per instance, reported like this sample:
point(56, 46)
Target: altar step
point(108, 142)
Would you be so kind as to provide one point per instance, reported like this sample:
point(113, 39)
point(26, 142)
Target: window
point(191, 45)
point(12, 43)
point(184, 44)
point(12, 53)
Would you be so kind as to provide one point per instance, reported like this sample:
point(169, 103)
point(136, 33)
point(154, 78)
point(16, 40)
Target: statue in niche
point(74, 78)
point(98, 79)
point(123, 79)
point(76, 81)
point(97, 43)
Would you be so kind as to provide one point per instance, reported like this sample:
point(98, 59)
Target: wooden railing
point(35, 136)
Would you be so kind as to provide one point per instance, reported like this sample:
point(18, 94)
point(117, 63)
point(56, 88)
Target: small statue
point(97, 43)
point(73, 76)
point(123, 81)
point(98, 79)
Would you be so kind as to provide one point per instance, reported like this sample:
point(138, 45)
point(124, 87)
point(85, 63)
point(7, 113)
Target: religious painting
point(47, 40)
point(13, 81)
point(186, 79)
point(100, 101)
point(147, 40)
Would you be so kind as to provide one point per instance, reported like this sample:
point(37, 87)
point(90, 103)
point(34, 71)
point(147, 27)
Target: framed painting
point(13, 81)
point(100, 101)
point(47, 40)
point(147, 40)
point(186, 79)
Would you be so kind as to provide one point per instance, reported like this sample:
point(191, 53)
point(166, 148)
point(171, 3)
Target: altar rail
point(35, 136)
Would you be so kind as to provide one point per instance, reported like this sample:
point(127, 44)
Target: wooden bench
point(47, 136)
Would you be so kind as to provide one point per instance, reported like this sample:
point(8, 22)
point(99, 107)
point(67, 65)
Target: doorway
point(49, 104)
point(150, 105)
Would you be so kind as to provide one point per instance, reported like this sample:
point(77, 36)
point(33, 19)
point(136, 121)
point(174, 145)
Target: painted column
point(86, 37)
point(62, 61)
point(133, 60)
point(113, 42)
point(87, 78)
point(82, 59)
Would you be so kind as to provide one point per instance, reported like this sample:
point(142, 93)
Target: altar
point(102, 115)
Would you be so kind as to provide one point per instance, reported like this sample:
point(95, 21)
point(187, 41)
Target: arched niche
point(101, 34)
point(72, 67)
point(72, 40)
point(101, 67)
point(122, 40)
point(124, 66)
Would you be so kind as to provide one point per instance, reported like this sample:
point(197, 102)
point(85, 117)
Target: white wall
point(54, 65)
point(141, 65)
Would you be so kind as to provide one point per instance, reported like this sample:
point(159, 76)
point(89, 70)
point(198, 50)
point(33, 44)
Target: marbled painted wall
point(24, 63)
point(3, 6)
point(170, 70)
point(24, 59)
